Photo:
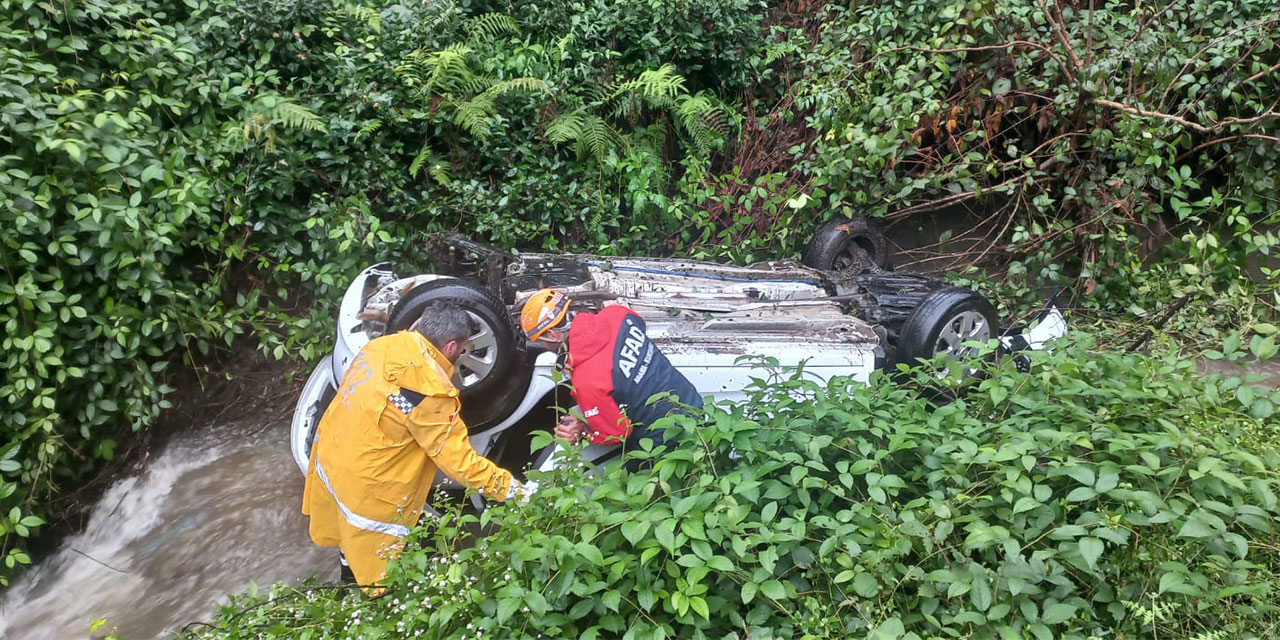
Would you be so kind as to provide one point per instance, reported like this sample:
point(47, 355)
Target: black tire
point(941, 324)
point(489, 399)
point(855, 245)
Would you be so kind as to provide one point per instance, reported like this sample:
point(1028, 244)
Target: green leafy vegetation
point(177, 176)
point(1103, 495)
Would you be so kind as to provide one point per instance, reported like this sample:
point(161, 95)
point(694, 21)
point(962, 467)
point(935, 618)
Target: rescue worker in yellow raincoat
point(392, 424)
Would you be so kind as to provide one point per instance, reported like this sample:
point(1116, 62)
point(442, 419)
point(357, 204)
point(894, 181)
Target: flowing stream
point(215, 510)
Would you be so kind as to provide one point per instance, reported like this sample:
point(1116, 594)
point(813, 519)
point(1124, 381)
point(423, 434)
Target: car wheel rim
point(852, 255)
point(476, 361)
point(963, 327)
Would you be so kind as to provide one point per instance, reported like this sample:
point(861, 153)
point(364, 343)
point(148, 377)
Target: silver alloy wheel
point(477, 360)
point(964, 327)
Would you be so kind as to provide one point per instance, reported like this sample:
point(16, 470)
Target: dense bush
point(100, 208)
point(1102, 496)
point(175, 174)
point(1087, 133)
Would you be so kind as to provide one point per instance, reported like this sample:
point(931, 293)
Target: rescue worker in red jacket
point(393, 423)
point(613, 370)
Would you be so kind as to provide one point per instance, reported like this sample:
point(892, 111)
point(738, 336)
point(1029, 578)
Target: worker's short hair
point(442, 322)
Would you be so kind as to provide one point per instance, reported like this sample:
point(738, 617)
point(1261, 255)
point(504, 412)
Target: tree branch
point(1217, 141)
point(1061, 33)
point(1217, 126)
point(1261, 73)
point(954, 198)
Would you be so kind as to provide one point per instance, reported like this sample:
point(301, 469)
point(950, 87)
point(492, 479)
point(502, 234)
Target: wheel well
point(511, 450)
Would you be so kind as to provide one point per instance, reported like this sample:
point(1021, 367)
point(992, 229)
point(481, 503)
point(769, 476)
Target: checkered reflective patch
point(401, 403)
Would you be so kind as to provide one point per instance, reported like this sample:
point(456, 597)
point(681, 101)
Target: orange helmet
point(543, 311)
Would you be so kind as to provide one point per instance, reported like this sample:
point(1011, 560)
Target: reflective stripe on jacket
point(394, 422)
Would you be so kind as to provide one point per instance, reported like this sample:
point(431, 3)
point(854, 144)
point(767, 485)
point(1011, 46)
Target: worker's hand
point(569, 429)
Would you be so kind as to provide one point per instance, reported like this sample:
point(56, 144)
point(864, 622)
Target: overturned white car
point(841, 312)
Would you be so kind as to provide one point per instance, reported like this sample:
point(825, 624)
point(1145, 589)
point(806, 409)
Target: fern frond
point(778, 50)
point(527, 85)
point(367, 16)
point(268, 112)
point(661, 84)
point(627, 107)
point(473, 115)
point(446, 69)
point(562, 46)
point(702, 121)
point(567, 127)
point(476, 84)
point(292, 115)
point(437, 168)
point(598, 138)
point(439, 171)
point(492, 25)
point(373, 126)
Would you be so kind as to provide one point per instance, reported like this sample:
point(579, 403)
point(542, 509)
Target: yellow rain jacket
point(392, 424)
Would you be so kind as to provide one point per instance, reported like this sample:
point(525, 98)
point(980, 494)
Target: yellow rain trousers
point(392, 424)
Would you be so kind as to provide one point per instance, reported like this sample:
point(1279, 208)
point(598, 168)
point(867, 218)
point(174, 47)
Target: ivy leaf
point(1025, 503)
point(1108, 479)
point(634, 531)
point(683, 505)
point(1091, 549)
point(865, 585)
point(1058, 613)
point(537, 604)
point(998, 394)
point(1261, 408)
point(1080, 494)
point(611, 599)
point(1263, 348)
point(590, 552)
point(770, 510)
point(773, 589)
point(720, 563)
point(666, 534)
point(699, 605)
point(581, 608)
point(1201, 524)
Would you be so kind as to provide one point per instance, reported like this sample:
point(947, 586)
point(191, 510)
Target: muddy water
point(212, 512)
point(1268, 370)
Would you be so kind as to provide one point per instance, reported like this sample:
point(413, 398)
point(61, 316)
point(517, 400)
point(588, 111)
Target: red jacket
point(614, 369)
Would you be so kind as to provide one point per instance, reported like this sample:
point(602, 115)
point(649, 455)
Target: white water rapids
point(215, 510)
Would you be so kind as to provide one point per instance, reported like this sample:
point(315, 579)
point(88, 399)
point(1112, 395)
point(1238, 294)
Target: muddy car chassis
point(841, 311)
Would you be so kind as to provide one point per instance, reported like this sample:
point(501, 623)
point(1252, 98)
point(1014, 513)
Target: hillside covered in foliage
point(177, 176)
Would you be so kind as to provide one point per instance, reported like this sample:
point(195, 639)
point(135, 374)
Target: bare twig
point(1217, 126)
point(1173, 308)
point(1061, 34)
point(98, 561)
point(1217, 141)
point(1259, 74)
point(954, 198)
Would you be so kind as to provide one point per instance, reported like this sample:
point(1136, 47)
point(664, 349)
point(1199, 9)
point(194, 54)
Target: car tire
point(493, 375)
point(943, 321)
point(855, 245)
